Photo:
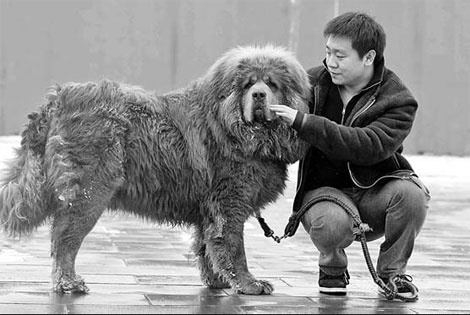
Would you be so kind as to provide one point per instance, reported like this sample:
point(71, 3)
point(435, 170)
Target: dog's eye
point(273, 85)
point(270, 82)
point(246, 85)
point(248, 82)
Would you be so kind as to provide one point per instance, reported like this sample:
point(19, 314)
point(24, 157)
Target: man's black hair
point(363, 31)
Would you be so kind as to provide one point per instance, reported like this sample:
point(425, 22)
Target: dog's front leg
point(226, 251)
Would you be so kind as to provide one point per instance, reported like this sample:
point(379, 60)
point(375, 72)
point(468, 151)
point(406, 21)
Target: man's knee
point(328, 224)
point(410, 199)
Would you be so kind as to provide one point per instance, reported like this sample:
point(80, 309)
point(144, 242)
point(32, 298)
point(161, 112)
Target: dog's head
point(243, 83)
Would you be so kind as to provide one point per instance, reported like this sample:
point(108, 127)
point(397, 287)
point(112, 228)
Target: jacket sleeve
point(375, 134)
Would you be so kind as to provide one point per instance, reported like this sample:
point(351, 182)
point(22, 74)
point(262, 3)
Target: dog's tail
point(22, 208)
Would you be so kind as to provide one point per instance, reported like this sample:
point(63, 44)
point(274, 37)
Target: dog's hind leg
point(82, 177)
point(82, 204)
point(71, 223)
point(69, 228)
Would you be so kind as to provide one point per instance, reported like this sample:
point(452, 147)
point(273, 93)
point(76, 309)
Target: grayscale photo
point(234, 157)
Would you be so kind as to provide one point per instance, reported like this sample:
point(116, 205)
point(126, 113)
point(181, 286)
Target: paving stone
point(21, 308)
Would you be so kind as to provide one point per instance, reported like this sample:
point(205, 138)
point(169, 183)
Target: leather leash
point(389, 290)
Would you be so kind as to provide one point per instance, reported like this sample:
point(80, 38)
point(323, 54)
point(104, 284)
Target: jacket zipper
point(371, 102)
point(395, 160)
point(342, 114)
point(409, 176)
point(316, 89)
point(355, 181)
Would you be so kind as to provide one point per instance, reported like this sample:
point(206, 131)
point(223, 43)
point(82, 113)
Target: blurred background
point(163, 45)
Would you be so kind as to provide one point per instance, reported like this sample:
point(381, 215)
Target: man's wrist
point(297, 124)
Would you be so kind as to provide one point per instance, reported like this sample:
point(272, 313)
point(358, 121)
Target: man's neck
point(354, 89)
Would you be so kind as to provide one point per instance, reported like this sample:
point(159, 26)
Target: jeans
point(395, 209)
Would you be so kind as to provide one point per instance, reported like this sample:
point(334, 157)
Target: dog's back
point(110, 145)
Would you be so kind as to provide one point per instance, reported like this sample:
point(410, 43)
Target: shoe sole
point(333, 291)
point(403, 294)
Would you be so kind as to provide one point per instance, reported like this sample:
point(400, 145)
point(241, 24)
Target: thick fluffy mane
point(226, 68)
point(223, 94)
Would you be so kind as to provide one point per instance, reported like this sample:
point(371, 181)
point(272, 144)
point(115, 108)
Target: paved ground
point(137, 267)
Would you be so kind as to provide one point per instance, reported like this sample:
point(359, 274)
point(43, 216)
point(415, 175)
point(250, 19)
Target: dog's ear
point(291, 74)
point(299, 79)
point(221, 76)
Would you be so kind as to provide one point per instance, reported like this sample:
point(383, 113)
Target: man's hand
point(285, 112)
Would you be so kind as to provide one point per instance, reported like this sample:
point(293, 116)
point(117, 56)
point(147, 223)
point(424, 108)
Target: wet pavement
point(136, 267)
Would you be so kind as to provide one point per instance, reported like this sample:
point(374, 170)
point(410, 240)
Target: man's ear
point(370, 57)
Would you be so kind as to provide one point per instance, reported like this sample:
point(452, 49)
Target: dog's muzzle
point(261, 111)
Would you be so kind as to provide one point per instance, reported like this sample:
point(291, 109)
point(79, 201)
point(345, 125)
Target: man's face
point(344, 64)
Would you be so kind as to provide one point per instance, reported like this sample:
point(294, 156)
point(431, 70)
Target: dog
point(207, 156)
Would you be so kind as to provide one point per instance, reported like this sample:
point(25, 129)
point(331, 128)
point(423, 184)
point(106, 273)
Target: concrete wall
point(164, 44)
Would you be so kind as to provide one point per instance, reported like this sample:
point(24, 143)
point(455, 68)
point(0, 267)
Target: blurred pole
point(3, 77)
point(2, 89)
point(294, 16)
point(174, 46)
point(336, 8)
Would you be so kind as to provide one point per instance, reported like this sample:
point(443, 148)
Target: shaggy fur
point(208, 156)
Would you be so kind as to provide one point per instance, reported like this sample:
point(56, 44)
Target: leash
point(389, 290)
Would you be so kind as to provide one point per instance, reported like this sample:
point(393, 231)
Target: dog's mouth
point(260, 121)
point(258, 116)
point(262, 116)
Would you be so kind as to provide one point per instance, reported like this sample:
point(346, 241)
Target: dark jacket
point(371, 138)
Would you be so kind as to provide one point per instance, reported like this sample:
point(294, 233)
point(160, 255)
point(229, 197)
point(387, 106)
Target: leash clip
point(267, 230)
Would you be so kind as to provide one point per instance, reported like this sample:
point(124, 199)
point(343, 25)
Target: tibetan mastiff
point(207, 156)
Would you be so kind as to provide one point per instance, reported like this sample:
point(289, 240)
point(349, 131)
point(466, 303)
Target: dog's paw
point(257, 287)
point(218, 284)
point(68, 285)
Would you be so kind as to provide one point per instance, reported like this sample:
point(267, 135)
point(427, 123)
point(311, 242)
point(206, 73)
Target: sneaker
point(404, 285)
point(334, 285)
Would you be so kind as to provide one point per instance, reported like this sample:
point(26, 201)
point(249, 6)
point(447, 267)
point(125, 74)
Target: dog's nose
point(259, 96)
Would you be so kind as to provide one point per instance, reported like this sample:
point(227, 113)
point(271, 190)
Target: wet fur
point(207, 156)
